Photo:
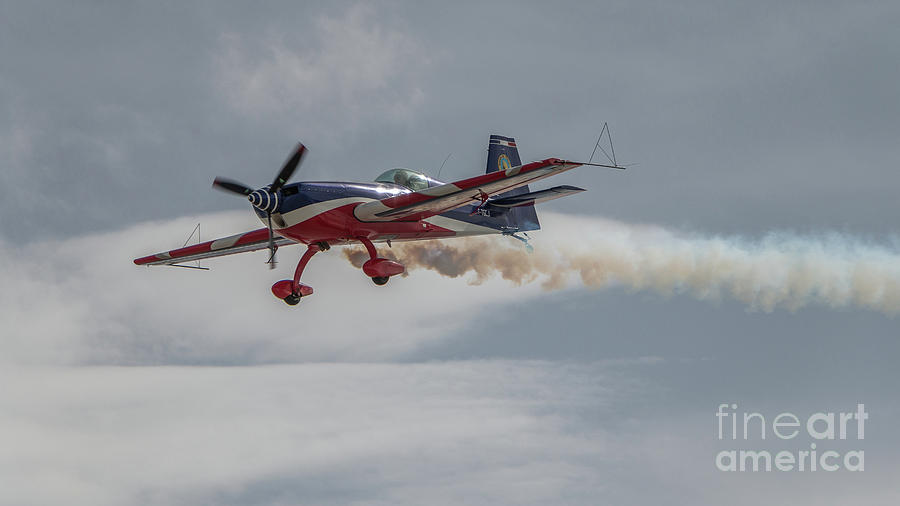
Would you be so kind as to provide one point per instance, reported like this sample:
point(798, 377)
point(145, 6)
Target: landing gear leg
point(379, 269)
point(290, 291)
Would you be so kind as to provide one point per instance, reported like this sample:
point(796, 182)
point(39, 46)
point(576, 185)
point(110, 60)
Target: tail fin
point(503, 154)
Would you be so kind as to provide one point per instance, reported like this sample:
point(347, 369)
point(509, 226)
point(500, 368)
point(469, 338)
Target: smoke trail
point(778, 271)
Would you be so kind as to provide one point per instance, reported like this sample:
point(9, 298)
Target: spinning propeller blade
point(272, 248)
point(290, 165)
point(231, 186)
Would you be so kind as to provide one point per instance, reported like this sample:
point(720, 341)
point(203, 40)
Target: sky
point(766, 127)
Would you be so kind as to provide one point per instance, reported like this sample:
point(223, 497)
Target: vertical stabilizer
point(503, 154)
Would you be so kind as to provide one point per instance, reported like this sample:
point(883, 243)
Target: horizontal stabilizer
point(530, 199)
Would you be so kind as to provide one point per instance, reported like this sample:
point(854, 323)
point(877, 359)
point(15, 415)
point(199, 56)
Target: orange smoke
point(778, 271)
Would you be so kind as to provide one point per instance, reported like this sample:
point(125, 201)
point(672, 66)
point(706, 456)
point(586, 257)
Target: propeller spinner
point(267, 198)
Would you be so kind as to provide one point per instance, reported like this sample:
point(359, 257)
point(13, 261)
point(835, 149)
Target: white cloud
point(353, 69)
point(82, 300)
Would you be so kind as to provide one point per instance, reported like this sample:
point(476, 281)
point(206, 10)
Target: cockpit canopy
point(415, 181)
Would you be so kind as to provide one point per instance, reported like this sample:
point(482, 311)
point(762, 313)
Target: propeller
point(228, 185)
point(268, 197)
point(290, 165)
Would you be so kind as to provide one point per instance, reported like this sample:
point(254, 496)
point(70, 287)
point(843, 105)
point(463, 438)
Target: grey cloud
point(355, 73)
point(317, 433)
point(499, 432)
point(742, 117)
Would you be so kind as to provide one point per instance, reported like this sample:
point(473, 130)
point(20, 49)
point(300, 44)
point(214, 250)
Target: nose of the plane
point(263, 200)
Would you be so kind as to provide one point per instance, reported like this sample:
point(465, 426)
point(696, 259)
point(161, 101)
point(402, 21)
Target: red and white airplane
point(401, 205)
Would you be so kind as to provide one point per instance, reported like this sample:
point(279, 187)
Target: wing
point(239, 243)
point(475, 190)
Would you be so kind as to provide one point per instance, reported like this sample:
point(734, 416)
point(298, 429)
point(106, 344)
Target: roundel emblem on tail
point(504, 165)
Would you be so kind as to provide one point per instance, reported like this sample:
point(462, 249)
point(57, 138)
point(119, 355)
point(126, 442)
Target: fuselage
point(311, 212)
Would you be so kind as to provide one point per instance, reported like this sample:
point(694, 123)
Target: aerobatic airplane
point(401, 205)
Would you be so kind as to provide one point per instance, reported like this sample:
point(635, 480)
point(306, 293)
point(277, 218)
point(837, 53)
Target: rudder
point(503, 154)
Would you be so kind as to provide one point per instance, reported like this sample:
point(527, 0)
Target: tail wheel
point(292, 300)
point(380, 280)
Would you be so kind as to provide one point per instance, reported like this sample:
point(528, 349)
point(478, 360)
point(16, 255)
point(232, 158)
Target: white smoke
point(778, 271)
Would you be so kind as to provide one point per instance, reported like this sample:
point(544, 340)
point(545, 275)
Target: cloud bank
point(330, 427)
point(83, 301)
